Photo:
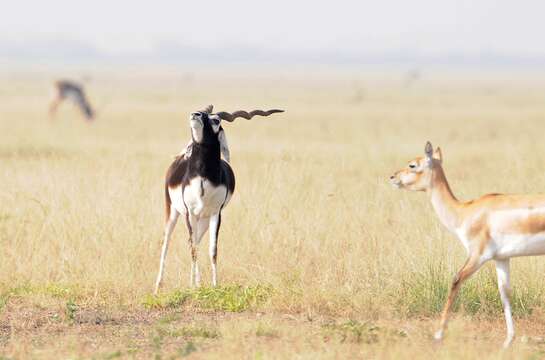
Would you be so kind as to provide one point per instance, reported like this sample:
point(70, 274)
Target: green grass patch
point(196, 331)
point(54, 290)
point(265, 330)
point(352, 331)
point(188, 349)
point(21, 290)
point(4, 298)
point(114, 355)
point(164, 301)
point(13, 292)
point(190, 333)
point(58, 291)
point(425, 293)
point(169, 318)
point(70, 310)
point(231, 298)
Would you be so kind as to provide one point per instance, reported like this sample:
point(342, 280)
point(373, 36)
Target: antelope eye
point(216, 121)
point(412, 166)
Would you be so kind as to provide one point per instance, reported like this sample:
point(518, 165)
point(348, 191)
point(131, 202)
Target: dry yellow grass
point(350, 266)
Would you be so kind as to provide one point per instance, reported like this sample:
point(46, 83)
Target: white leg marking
point(192, 227)
point(215, 221)
point(502, 270)
point(169, 228)
point(199, 228)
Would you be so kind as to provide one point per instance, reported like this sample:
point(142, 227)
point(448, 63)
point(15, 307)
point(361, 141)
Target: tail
point(168, 202)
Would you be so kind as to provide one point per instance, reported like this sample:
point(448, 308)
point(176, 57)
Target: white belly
point(201, 198)
point(508, 238)
point(519, 245)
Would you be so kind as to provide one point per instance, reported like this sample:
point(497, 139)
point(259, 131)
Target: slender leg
point(53, 107)
point(214, 228)
point(191, 223)
point(169, 228)
point(502, 270)
point(470, 267)
point(198, 229)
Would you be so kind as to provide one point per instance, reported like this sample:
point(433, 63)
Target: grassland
point(318, 256)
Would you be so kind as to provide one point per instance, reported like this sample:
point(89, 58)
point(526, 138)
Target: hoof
point(507, 343)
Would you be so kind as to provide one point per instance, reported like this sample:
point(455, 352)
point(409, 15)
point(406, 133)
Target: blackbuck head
point(417, 175)
point(205, 122)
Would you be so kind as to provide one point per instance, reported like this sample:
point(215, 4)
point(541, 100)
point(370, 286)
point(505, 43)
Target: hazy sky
point(424, 26)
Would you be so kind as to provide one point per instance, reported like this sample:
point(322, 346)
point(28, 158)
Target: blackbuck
point(493, 227)
point(69, 90)
point(199, 184)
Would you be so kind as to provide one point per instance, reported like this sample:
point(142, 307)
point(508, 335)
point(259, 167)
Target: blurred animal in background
point(72, 91)
point(411, 77)
point(199, 184)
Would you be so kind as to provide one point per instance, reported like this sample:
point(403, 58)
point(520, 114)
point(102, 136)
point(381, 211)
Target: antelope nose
point(392, 177)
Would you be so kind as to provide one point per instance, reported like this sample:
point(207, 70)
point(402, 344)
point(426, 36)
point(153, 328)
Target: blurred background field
point(318, 255)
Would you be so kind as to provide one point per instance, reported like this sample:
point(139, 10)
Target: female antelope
point(493, 227)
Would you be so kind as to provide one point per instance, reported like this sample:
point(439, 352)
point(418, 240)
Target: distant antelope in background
point(493, 227)
point(199, 184)
point(65, 89)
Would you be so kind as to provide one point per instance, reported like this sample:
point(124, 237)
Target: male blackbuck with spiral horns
point(493, 227)
point(199, 184)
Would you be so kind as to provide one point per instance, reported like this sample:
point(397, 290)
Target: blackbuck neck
point(205, 161)
point(443, 200)
point(205, 152)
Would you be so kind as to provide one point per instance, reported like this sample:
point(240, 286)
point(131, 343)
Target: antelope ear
point(428, 150)
point(437, 155)
point(208, 109)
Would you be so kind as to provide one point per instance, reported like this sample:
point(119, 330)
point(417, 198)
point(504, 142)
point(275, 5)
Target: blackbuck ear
point(437, 155)
point(428, 150)
point(208, 109)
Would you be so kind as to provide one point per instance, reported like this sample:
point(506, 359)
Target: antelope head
point(417, 175)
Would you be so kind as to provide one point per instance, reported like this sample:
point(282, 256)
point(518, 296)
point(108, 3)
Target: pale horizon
point(422, 31)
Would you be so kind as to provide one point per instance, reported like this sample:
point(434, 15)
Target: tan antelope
point(66, 89)
point(493, 227)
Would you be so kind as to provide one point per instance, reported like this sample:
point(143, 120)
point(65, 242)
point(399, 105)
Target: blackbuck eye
point(412, 166)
